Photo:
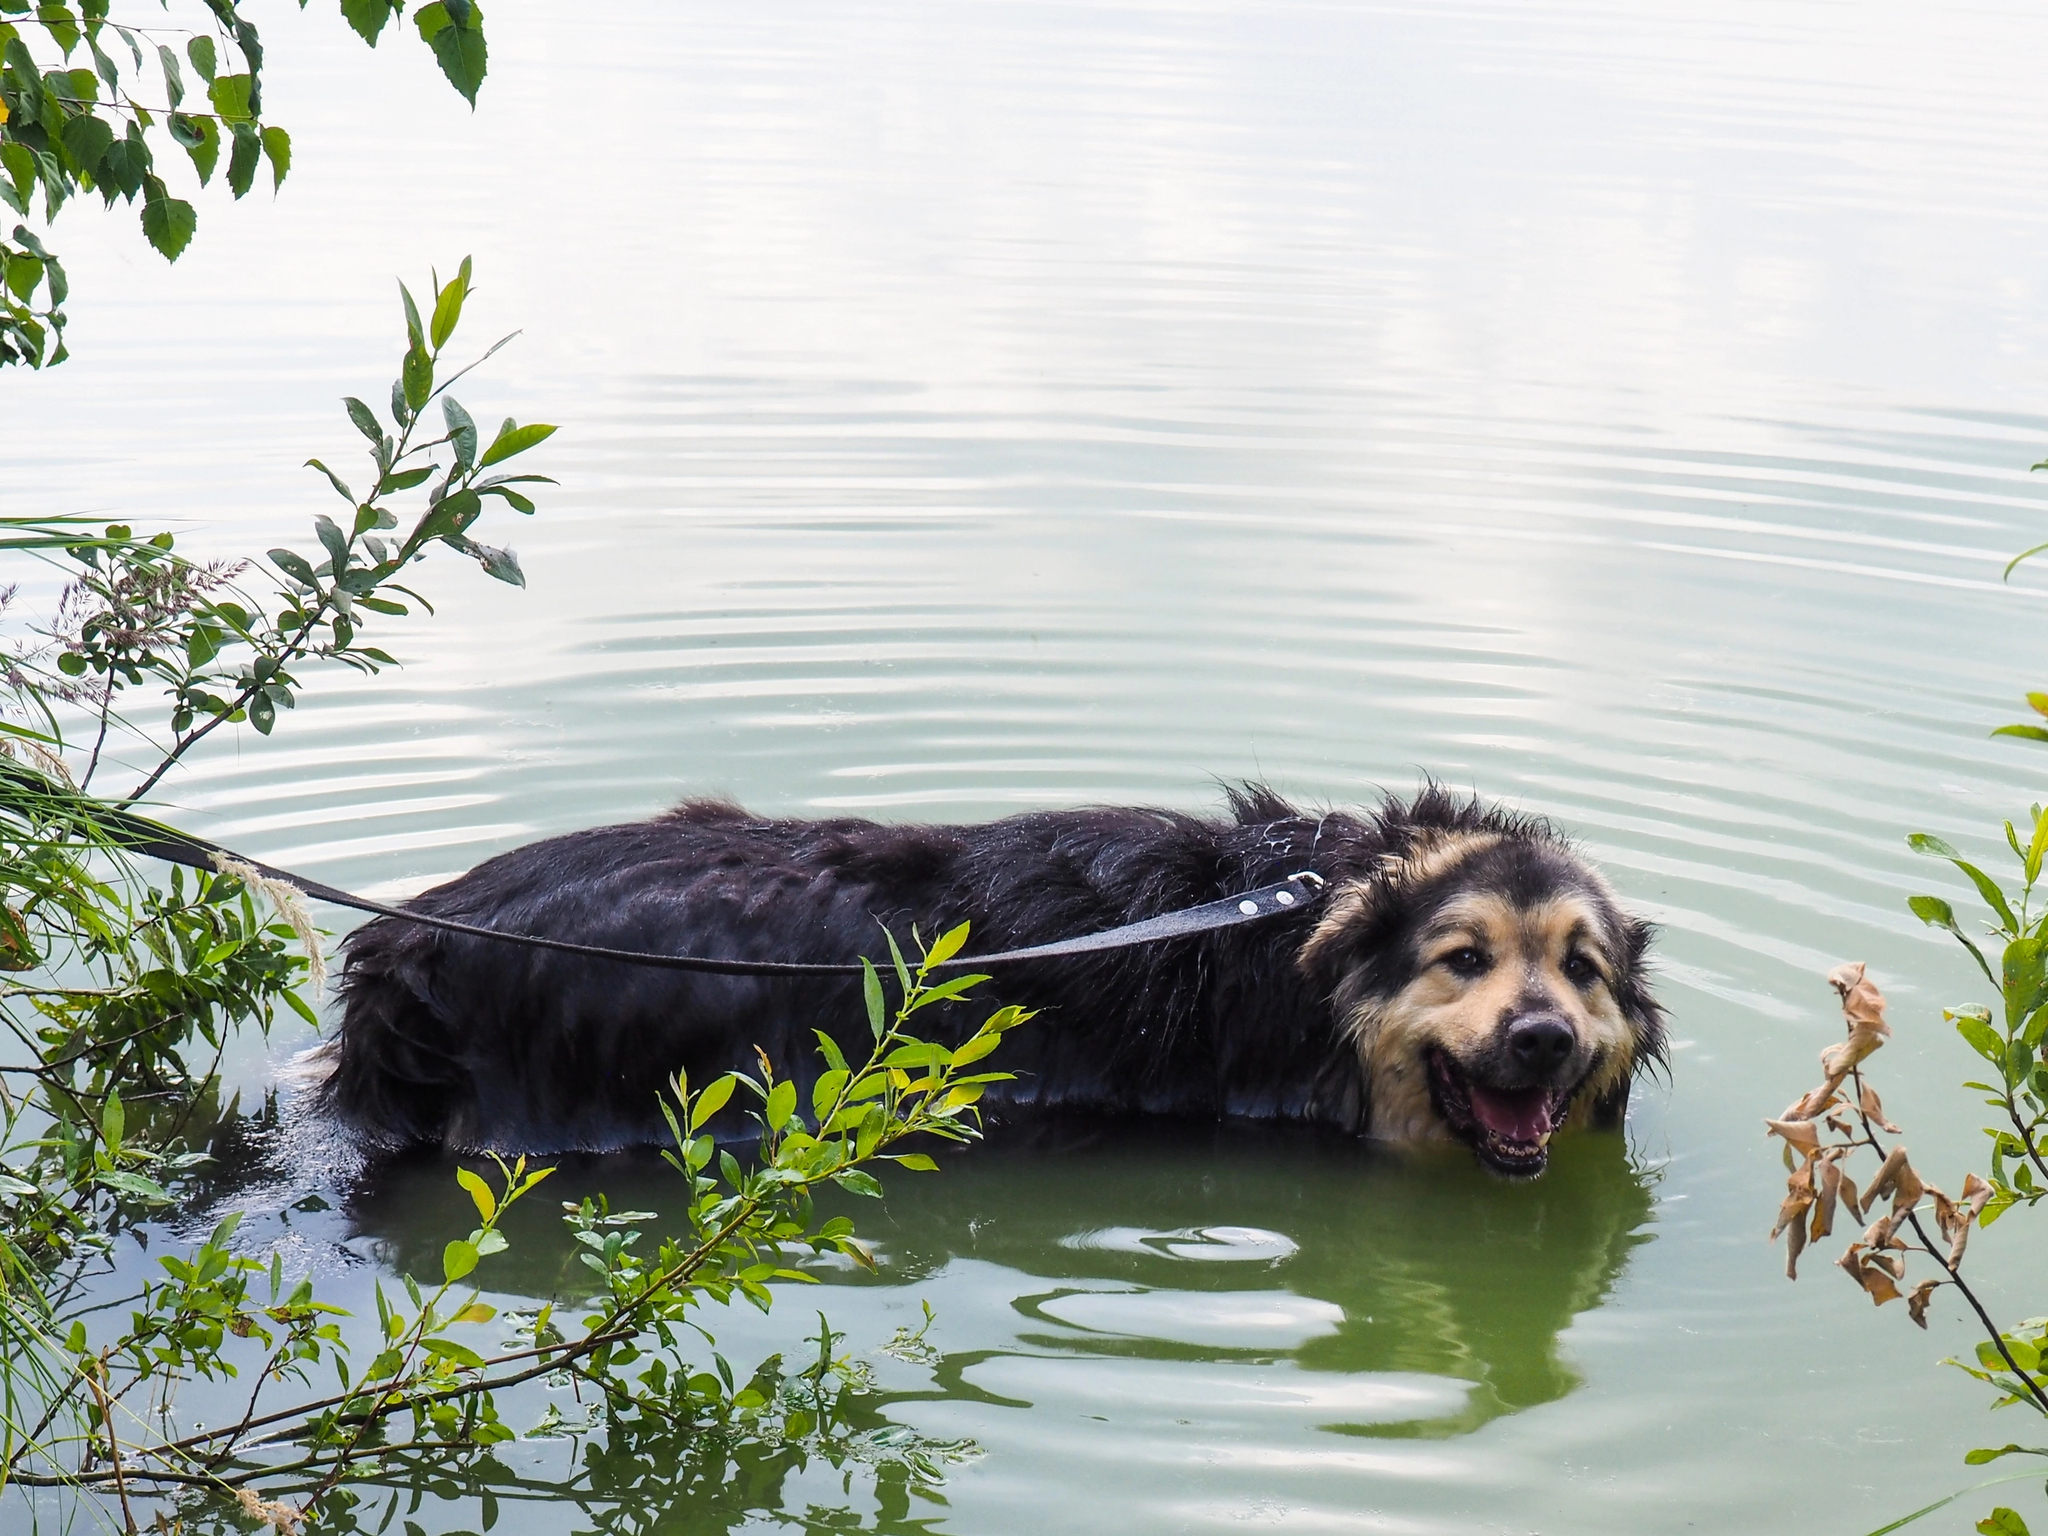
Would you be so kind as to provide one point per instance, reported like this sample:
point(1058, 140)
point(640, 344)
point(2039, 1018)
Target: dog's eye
point(1579, 970)
point(1467, 962)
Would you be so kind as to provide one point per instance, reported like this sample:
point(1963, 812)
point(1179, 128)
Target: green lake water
point(1624, 411)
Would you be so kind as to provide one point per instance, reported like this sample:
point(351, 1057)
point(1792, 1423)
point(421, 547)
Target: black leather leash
point(139, 835)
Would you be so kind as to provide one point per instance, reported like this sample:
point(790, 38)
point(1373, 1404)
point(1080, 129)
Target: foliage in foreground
point(1842, 1118)
point(120, 992)
point(92, 102)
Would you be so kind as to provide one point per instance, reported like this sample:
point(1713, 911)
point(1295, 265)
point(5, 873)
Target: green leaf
point(1983, 1039)
point(335, 541)
point(205, 154)
point(262, 714)
point(417, 375)
point(448, 306)
point(711, 1101)
point(826, 1090)
point(479, 1191)
point(917, 1161)
point(1934, 847)
point(364, 418)
point(517, 502)
point(86, 140)
point(871, 994)
point(413, 329)
point(1982, 1454)
point(230, 96)
point(367, 17)
point(277, 149)
point(125, 165)
point(855, 1182)
point(2028, 732)
point(248, 149)
point(2019, 1062)
point(461, 432)
point(200, 52)
point(1933, 911)
point(513, 438)
point(448, 516)
point(2022, 966)
point(501, 563)
point(459, 47)
point(781, 1104)
point(1994, 898)
point(126, 1183)
point(946, 946)
point(447, 1349)
point(168, 221)
point(976, 1048)
point(24, 275)
point(113, 1122)
point(174, 77)
point(948, 990)
point(293, 565)
point(334, 480)
point(457, 1260)
point(403, 480)
point(2002, 1522)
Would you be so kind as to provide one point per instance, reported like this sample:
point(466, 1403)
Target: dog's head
point(1493, 988)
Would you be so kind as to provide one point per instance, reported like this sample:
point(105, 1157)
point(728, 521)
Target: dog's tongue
point(1513, 1115)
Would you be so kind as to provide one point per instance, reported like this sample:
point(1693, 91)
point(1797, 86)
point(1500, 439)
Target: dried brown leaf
point(1946, 1212)
point(1824, 1205)
point(1838, 1125)
point(1917, 1299)
point(1850, 1197)
point(1802, 1134)
point(1880, 1234)
point(1876, 1282)
point(1798, 1196)
point(1874, 1107)
point(281, 1517)
point(1863, 1007)
point(1967, 1210)
point(1809, 1105)
point(1975, 1193)
point(1895, 1177)
point(1795, 1240)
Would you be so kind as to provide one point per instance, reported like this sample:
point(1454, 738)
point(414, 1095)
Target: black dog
point(1466, 975)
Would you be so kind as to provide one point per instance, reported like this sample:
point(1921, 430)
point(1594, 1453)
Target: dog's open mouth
point(1509, 1128)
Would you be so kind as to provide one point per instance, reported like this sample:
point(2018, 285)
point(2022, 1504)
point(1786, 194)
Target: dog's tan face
point(1493, 989)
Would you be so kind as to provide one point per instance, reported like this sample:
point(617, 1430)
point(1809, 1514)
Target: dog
point(1467, 976)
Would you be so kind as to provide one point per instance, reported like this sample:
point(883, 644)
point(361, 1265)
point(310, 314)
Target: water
point(1624, 411)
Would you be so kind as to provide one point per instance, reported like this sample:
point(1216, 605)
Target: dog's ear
point(1632, 993)
point(1348, 918)
point(1362, 916)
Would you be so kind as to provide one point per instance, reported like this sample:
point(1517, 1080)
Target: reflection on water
point(1381, 1296)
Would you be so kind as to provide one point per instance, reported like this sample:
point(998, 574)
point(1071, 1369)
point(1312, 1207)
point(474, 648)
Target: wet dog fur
point(1467, 977)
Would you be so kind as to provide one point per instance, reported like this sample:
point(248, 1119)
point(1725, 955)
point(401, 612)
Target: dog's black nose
point(1540, 1044)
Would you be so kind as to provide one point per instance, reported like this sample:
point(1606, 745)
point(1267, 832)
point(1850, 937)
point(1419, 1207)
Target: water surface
point(1623, 411)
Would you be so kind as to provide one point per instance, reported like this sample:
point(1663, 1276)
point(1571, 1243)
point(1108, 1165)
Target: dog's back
point(476, 1043)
